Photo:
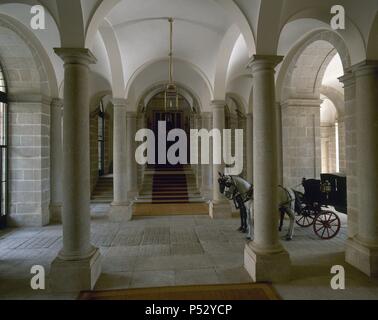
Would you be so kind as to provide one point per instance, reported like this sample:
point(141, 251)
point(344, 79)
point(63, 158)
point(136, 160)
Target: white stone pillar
point(131, 165)
point(198, 126)
point(220, 206)
point(120, 208)
point(78, 264)
point(265, 258)
point(351, 152)
point(56, 156)
point(280, 144)
point(207, 169)
point(362, 251)
point(249, 148)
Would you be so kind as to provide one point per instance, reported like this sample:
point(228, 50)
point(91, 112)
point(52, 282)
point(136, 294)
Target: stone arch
point(336, 97)
point(372, 45)
point(299, 87)
point(239, 101)
point(286, 73)
point(223, 60)
point(159, 87)
point(190, 65)
point(30, 71)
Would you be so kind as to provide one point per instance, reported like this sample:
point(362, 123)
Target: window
point(3, 150)
point(101, 139)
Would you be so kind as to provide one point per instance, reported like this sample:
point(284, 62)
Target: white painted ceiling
point(142, 31)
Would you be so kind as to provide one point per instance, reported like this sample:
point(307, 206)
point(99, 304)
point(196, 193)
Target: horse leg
point(241, 220)
point(290, 232)
point(250, 222)
point(282, 217)
point(244, 217)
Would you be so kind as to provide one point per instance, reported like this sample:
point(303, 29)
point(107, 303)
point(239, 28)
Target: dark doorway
point(174, 120)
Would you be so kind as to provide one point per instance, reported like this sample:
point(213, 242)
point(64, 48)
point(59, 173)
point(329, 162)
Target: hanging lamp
point(171, 96)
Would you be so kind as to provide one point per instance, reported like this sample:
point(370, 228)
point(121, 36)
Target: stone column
point(131, 164)
point(280, 144)
point(362, 250)
point(220, 206)
point(56, 156)
point(207, 169)
point(78, 264)
point(141, 120)
point(265, 259)
point(351, 152)
point(342, 146)
point(249, 147)
point(198, 126)
point(120, 208)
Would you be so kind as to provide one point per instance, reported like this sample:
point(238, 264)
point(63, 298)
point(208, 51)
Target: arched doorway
point(169, 188)
point(3, 151)
point(174, 117)
point(101, 151)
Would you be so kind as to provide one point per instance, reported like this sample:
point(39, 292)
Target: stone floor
point(168, 251)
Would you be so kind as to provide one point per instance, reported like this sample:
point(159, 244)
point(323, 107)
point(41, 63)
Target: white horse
point(241, 192)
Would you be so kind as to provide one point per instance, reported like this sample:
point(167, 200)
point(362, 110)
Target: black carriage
point(312, 206)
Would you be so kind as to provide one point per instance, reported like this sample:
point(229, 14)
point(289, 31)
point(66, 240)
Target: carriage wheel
point(306, 217)
point(327, 225)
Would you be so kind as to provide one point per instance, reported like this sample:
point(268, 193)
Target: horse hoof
point(289, 238)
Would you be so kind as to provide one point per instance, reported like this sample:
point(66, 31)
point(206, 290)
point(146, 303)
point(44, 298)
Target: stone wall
point(29, 162)
point(301, 140)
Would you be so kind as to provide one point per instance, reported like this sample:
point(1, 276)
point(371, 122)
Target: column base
point(75, 276)
point(120, 212)
point(267, 267)
point(362, 256)
point(132, 195)
point(206, 193)
point(220, 209)
point(56, 213)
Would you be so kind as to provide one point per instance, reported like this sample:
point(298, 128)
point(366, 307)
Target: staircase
point(170, 190)
point(103, 192)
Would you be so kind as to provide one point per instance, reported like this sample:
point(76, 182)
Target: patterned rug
point(260, 291)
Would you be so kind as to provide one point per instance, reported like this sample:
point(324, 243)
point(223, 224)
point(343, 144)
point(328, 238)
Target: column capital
point(264, 62)
point(367, 67)
point(303, 103)
point(120, 103)
point(76, 55)
point(348, 79)
point(217, 104)
point(131, 115)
